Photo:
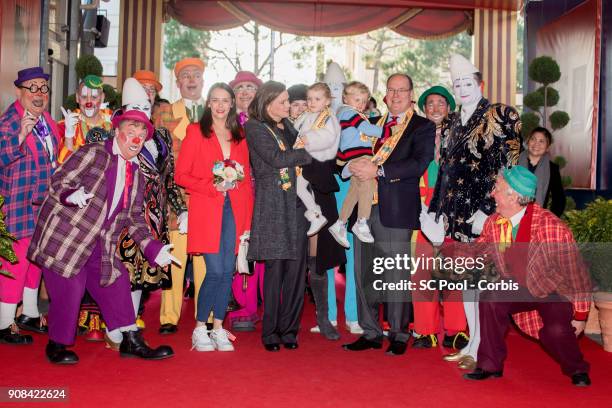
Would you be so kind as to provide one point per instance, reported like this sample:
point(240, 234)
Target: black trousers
point(284, 286)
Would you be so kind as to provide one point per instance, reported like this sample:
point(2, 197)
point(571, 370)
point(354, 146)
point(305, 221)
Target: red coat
point(194, 172)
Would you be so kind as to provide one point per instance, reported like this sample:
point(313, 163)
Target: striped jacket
point(24, 171)
point(65, 234)
point(357, 134)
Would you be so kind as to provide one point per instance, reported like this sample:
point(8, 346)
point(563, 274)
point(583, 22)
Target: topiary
point(88, 65)
point(544, 70)
point(6, 245)
point(529, 121)
point(558, 120)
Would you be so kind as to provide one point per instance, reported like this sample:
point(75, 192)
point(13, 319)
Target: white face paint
point(467, 91)
point(336, 89)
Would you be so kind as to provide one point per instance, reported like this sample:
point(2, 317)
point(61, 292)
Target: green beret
point(437, 90)
point(93, 82)
point(521, 180)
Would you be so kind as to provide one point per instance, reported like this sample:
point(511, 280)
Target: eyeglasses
point(249, 88)
point(398, 91)
point(35, 88)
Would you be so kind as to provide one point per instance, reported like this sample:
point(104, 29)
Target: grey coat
point(274, 224)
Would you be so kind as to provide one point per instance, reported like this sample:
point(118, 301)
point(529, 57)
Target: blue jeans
point(220, 267)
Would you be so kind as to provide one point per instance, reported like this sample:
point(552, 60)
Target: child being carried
point(356, 142)
point(321, 131)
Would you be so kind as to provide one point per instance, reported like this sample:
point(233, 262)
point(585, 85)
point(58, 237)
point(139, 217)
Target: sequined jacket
point(470, 158)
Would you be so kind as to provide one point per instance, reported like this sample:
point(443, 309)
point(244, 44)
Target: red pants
point(426, 303)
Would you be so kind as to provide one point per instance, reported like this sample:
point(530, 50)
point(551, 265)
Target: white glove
point(182, 223)
point(477, 220)
point(71, 119)
point(433, 230)
point(165, 258)
point(242, 264)
point(79, 197)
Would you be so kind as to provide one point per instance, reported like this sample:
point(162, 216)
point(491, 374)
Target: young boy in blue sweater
point(356, 141)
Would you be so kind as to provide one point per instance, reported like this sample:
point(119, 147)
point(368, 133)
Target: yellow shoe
point(140, 323)
point(454, 357)
point(467, 363)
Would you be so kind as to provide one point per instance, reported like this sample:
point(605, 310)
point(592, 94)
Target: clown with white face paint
point(335, 79)
point(481, 141)
point(90, 114)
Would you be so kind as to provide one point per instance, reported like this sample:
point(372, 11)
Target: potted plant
point(592, 228)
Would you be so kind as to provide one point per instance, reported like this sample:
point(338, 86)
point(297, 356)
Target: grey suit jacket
point(274, 224)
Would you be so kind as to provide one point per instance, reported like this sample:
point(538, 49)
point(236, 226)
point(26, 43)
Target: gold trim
point(403, 18)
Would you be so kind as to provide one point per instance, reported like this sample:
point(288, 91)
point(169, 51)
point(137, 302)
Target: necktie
point(128, 183)
point(194, 113)
point(387, 131)
point(505, 237)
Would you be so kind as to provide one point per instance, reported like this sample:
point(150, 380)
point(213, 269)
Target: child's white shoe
point(362, 231)
point(220, 340)
point(353, 327)
point(317, 221)
point(316, 329)
point(338, 231)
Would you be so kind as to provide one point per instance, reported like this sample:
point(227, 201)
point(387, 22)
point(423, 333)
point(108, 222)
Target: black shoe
point(425, 341)
point(362, 344)
point(290, 346)
point(581, 380)
point(396, 348)
point(7, 336)
point(457, 342)
point(133, 345)
point(168, 328)
point(31, 324)
point(480, 374)
point(272, 347)
point(57, 354)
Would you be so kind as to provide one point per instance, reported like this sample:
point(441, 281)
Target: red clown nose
point(136, 140)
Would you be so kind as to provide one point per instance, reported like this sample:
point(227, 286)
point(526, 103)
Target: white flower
point(230, 174)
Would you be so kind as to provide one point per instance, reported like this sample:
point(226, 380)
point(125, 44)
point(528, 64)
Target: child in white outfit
point(322, 134)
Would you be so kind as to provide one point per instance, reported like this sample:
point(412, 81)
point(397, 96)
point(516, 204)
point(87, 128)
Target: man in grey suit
point(398, 164)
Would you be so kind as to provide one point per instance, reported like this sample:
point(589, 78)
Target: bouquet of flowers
point(227, 172)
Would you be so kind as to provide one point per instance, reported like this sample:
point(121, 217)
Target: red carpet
point(318, 374)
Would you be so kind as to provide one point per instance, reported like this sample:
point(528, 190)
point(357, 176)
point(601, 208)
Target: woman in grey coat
point(278, 229)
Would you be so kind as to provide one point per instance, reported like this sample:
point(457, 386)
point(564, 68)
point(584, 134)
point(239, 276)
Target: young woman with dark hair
point(278, 232)
point(213, 167)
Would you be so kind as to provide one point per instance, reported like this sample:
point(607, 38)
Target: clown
point(483, 138)
point(335, 79)
point(74, 127)
point(97, 193)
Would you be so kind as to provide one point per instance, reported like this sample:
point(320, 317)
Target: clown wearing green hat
point(535, 251)
point(438, 105)
point(76, 124)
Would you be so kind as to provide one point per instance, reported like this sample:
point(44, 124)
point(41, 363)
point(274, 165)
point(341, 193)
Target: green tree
point(182, 42)
point(545, 71)
point(427, 60)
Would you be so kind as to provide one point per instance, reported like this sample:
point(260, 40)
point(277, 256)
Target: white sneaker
point(221, 341)
point(317, 330)
point(316, 223)
point(362, 231)
point(338, 231)
point(200, 340)
point(354, 327)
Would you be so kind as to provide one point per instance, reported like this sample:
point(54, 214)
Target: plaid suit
point(24, 178)
point(66, 234)
point(545, 261)
point(24, 171)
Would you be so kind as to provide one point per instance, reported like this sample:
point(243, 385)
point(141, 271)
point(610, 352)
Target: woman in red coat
point(213, 167)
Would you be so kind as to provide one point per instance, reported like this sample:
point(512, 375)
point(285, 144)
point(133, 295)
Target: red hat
point(245, 76)
point(136, 115)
